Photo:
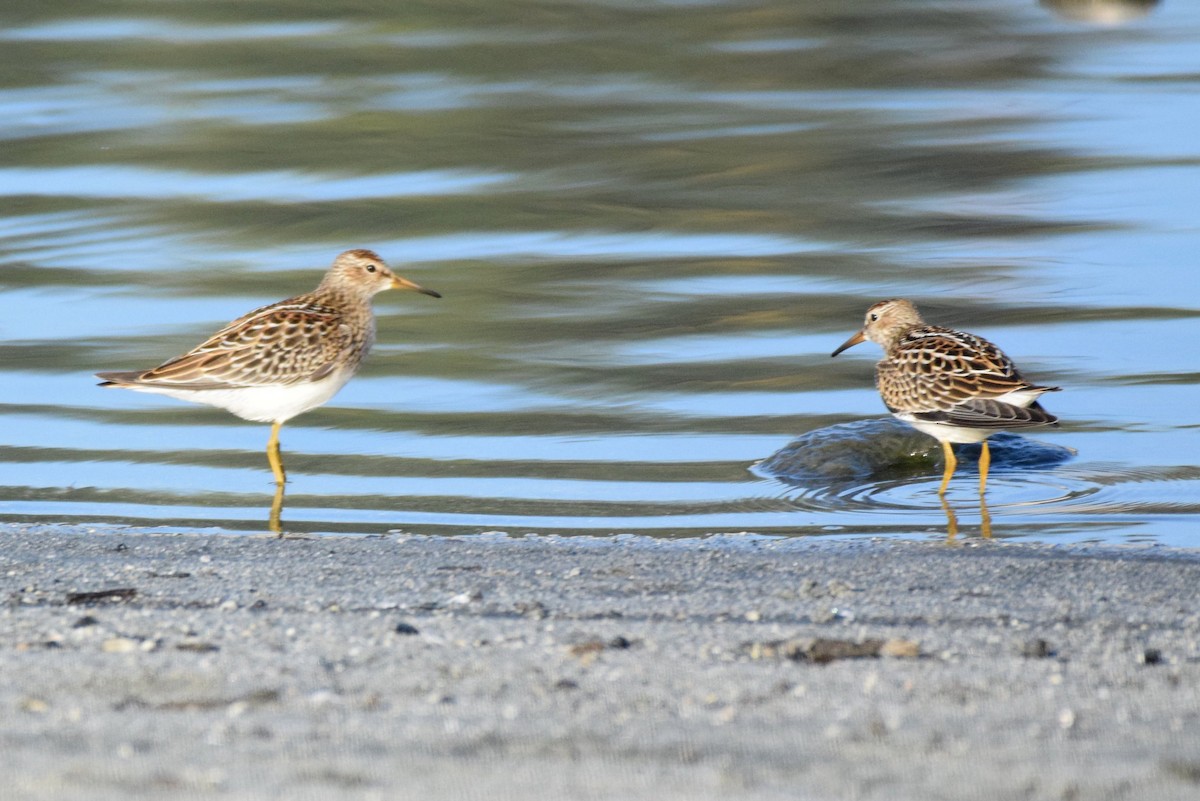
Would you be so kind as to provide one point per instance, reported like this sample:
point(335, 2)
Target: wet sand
point(151, 665)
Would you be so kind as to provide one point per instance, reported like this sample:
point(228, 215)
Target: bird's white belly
point(943, 432)
point(267, 404)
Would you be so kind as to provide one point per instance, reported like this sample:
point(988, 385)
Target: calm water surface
point(652, 222)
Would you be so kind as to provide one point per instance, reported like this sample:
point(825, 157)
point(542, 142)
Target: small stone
point(88, 598)
point(120, 645)
point(406, 628)
point(85, 621)
point(1150, 656)
point(822, 650)
point(837, 588)
point(1037, 649)
point(586, 650)
point(753, 616)
point(1184, 769)
point(534, 610)
point(900, 649)
point(36, 706)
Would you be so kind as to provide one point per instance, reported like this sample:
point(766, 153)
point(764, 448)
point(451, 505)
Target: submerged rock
point(887, 446)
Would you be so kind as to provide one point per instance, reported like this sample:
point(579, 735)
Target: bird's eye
point(370, 268)
point(874, 317)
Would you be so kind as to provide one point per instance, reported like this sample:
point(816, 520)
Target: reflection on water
point(652, 223)
point(985, 519)
point(1101, 12)
point(275, 518)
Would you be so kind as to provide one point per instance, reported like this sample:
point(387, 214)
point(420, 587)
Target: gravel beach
point(150, 665)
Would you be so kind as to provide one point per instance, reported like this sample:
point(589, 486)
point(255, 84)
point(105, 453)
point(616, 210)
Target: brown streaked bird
point(954, 386)
point(284, 359)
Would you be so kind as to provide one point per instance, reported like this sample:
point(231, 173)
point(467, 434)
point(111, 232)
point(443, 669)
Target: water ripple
point(1066, 491)
point(280, 186)
point(116, 28)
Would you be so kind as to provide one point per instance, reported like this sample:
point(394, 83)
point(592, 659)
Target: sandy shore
point(494, 668)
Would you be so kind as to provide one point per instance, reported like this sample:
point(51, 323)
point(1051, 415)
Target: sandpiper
point(954, 386)
point(284, 359)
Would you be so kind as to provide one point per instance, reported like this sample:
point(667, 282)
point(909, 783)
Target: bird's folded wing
point(276, 345)
point(988, 413)
point(943, 372)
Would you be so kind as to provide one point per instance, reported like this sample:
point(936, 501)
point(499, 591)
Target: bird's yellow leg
point(985, 461)
point(951, 463)
point(273, 456)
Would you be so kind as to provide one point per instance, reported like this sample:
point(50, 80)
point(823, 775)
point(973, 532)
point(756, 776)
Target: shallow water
point(651, 222)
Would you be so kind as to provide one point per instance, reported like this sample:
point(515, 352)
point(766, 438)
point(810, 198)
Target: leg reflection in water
point(951, 518)
point(273, 522)
point(985, 521)
point(985, 518)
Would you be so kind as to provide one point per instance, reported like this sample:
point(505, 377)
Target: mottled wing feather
point(280, 344)
point(990, 414)
point(943, 375)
